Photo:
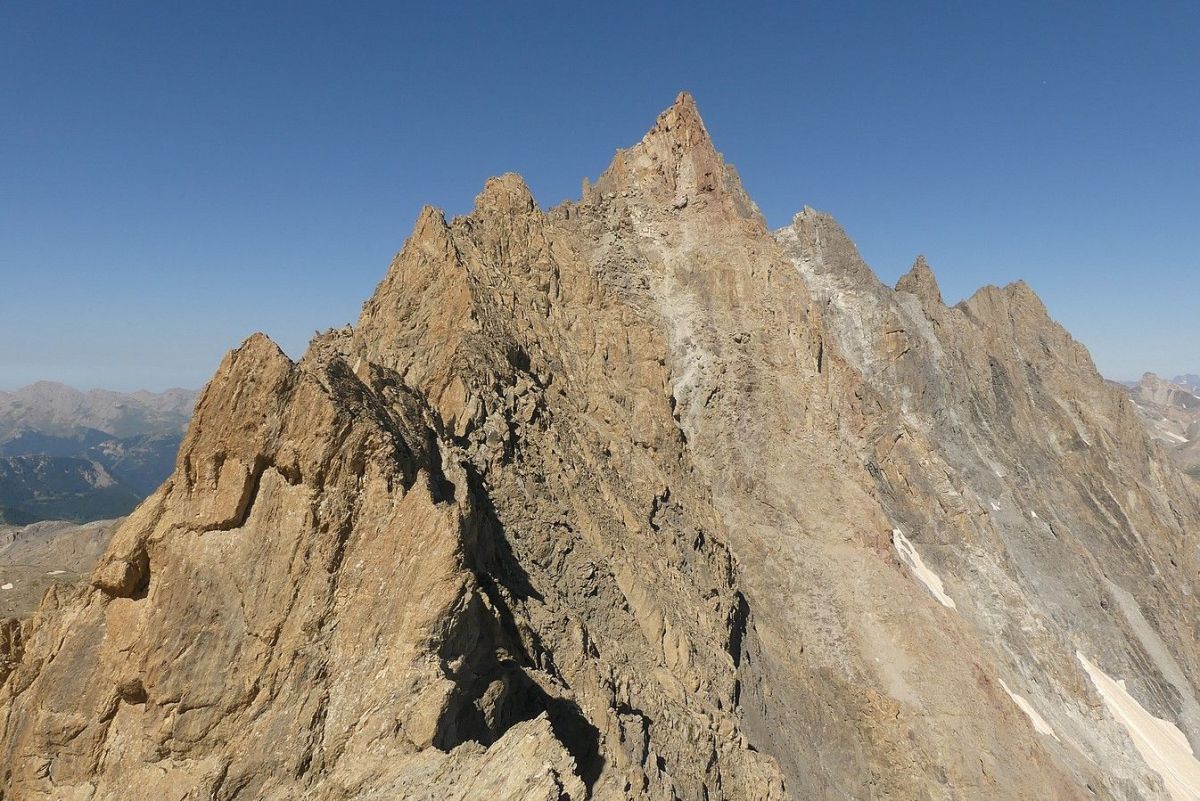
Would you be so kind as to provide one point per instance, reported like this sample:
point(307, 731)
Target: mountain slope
point(36, 488)
point(637, 498)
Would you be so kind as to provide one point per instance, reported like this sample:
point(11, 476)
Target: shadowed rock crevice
point(486, 706)
point(11, 640)
point(738, 624)
point(498, 683)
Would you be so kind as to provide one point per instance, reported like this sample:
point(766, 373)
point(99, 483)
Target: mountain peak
point(676, 165)
point(680, 125)
point(506, 194)
point(920, 281)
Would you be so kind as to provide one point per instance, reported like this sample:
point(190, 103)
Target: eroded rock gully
point(600, 502)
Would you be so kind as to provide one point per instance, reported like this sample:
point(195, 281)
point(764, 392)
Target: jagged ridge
point(601, 502)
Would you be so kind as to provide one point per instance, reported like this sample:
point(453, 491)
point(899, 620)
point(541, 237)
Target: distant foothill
point(81, 456)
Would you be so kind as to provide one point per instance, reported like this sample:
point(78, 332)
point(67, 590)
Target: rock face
point(636, 498)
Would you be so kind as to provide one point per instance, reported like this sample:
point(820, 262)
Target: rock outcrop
point(636, 498)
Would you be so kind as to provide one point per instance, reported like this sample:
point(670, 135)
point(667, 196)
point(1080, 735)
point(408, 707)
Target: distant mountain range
point(79, 456)
point(1171, 412)
point(1189, 381)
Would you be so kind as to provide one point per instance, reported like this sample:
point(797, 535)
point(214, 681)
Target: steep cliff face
point(1029, 487)
point(635, 498)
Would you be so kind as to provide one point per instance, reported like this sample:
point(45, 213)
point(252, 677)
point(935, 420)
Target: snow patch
point(56, 572)
point(8, 586)
point(1162, 745)
point(995, 506)
point(1039, 723)
point(908, 555)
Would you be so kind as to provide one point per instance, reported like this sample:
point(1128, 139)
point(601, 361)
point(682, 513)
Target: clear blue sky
point(174, 176)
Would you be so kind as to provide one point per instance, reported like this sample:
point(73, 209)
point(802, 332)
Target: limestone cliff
point(636, 498)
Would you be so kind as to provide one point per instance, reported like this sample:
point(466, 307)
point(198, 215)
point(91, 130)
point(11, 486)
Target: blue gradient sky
point(175, 176)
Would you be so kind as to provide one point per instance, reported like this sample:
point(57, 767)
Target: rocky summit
point(636, 498)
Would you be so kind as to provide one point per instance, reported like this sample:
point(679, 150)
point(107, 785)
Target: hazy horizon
point(187, 176)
